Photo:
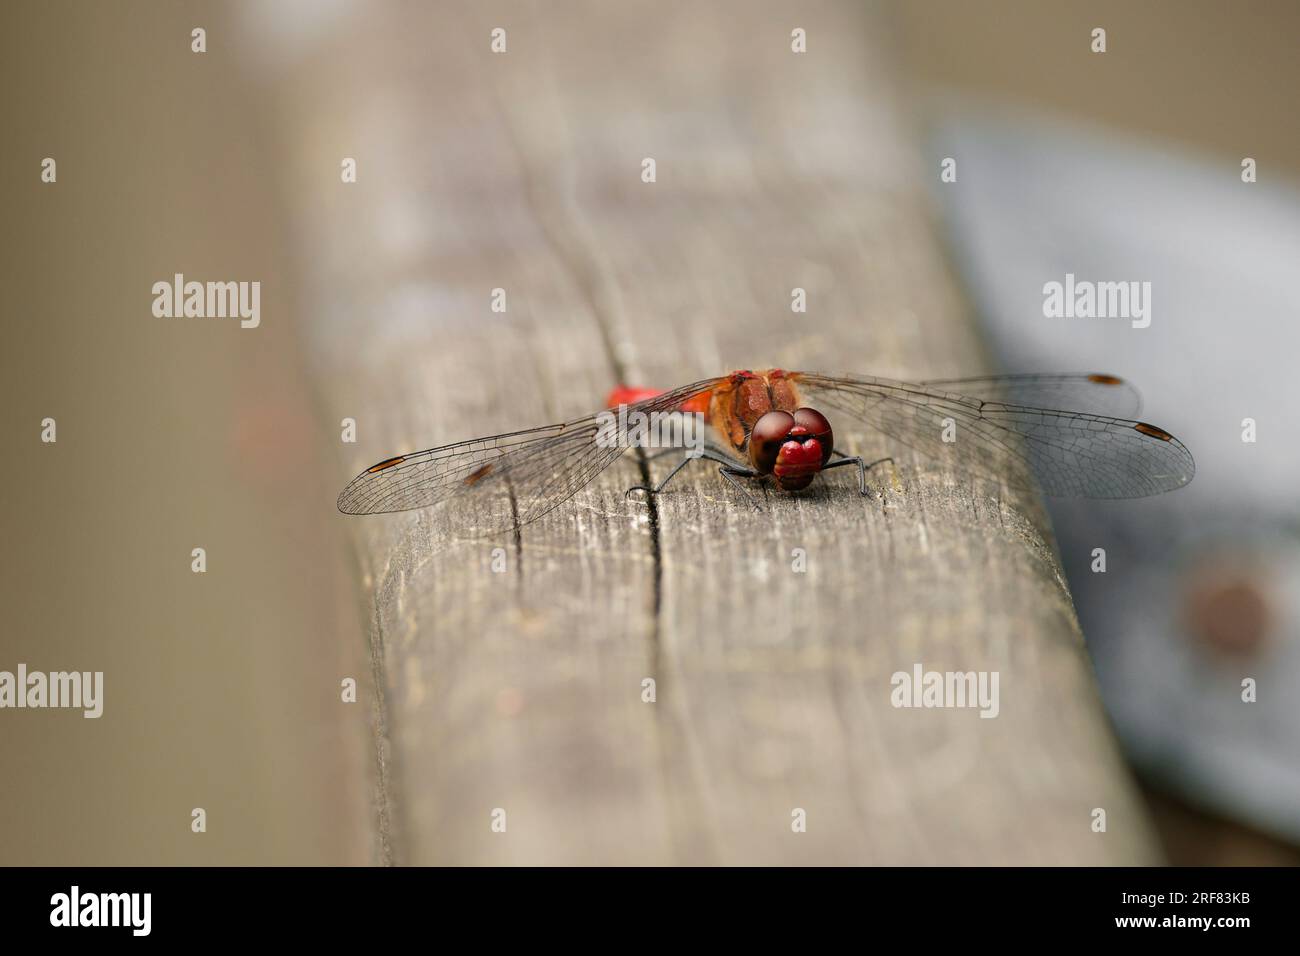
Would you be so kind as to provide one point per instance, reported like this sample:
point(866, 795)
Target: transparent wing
point(1072, 453)
point(498, 482)
point(1098, 393)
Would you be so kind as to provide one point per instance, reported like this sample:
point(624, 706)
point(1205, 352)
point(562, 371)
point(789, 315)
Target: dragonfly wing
point(503, 481)
point(1071, 453)
point(1098, 393)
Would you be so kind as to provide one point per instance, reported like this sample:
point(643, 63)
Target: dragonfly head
point(791, 447)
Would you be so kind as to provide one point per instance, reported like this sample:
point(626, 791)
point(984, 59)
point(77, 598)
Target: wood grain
point(523, 690)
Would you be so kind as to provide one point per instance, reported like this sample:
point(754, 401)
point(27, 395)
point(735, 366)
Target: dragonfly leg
point(863, 468)
point(728, 470)
point(731, 473)
point(660, 487)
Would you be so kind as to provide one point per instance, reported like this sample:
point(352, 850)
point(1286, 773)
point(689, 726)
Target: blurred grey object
point(1202, 587)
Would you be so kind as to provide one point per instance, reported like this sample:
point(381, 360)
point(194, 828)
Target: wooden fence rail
point(770, 638)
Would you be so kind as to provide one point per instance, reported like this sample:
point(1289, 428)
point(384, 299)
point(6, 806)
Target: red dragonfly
point(1074, 434)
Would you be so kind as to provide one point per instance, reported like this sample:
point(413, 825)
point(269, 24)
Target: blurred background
point(1126, 165)
point(1115, 166)
point(222, 689)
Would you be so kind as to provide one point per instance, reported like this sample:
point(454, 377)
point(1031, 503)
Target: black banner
point(333, 905)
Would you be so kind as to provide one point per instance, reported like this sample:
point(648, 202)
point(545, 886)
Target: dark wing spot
point(1102, 379)
point(386, 463)
point(478, 474)
point(1154, 432)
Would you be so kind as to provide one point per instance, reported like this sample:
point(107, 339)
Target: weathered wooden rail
point(523, 691)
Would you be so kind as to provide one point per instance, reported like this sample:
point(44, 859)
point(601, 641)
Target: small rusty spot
point(1229, 608)
point(386, 463)
point(478, 474)
point(1154, 432)
point(510, 702)
point(1101, 379)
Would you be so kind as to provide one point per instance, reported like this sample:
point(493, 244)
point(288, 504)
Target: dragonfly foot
point(731, 474)
point(863, 468)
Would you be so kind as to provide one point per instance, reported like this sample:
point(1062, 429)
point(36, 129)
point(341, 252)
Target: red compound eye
point(816, 426)
point(766, 438)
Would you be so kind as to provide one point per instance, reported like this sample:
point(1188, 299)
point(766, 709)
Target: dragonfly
point(1073, 435)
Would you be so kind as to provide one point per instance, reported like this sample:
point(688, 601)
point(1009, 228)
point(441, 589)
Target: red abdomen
point(627, 395)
